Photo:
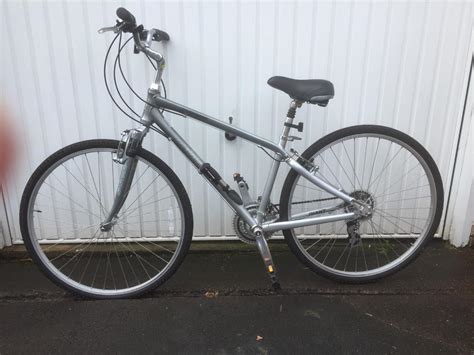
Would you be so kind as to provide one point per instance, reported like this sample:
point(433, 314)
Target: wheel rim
point(140, 248)
point(401, 195)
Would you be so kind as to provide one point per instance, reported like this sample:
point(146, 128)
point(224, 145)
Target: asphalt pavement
point(220, 302)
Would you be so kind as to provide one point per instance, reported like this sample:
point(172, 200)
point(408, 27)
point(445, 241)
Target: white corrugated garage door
point(398, 64)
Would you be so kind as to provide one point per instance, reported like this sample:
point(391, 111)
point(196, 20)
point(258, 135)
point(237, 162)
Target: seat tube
point(268, 188)
point(276, 164)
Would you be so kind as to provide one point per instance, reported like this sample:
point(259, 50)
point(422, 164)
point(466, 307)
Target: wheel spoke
point(384, 168)
point(352, 165)
point(95, 185)
point(71, 200)
point(330, 170)
point(342, 166)
point(373, 163)
point(77, 254)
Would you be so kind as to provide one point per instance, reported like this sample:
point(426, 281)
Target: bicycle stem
point(146, 48)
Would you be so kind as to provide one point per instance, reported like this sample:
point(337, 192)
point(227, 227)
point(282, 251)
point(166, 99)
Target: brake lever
point(115, 29)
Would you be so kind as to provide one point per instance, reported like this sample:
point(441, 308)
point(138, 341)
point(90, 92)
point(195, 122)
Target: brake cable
point(134, 92)
point(117, 59)
point(123, 75)
point(110, 93)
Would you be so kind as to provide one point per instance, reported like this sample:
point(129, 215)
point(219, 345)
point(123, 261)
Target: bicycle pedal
point(274, 279)
point(276, 286)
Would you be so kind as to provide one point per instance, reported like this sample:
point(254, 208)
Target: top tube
point(161, 102)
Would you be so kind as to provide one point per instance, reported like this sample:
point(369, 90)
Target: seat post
point(288, 122)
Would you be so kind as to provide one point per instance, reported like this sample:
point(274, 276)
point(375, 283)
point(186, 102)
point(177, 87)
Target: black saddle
point(314, 91)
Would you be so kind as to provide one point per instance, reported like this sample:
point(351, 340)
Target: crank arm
point(262, 246)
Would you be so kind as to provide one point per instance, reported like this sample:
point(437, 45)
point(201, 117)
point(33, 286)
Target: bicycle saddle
point(315, 91)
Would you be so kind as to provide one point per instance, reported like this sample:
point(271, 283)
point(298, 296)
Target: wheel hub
point(368, 203)
point(107, 226)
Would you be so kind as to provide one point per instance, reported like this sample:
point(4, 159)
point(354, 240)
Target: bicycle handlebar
point(129, 24)
point(141, 37)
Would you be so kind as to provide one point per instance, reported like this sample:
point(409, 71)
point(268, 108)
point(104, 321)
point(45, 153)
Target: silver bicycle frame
point(281, 155)
point(152, 115)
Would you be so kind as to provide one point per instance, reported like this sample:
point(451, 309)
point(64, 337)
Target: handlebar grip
point(126, 16)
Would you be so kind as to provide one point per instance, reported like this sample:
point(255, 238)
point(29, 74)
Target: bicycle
point(109, 219)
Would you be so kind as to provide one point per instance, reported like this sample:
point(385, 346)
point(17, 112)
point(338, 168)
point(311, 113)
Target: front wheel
point(387, 170)
point(69, 196)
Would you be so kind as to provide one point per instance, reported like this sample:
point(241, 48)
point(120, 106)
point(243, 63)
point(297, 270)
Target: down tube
point(197, 161)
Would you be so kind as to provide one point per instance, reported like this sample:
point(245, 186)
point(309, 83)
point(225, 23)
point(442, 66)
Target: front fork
point(123, 188)
point(126, 155)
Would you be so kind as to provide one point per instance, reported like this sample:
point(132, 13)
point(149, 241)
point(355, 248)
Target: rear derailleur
point(353, 232)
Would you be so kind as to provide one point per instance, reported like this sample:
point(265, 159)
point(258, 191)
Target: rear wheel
point(70, 194)
point(387, 170)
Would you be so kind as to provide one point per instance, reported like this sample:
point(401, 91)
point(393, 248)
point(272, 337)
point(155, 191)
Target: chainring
point(242, 229)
